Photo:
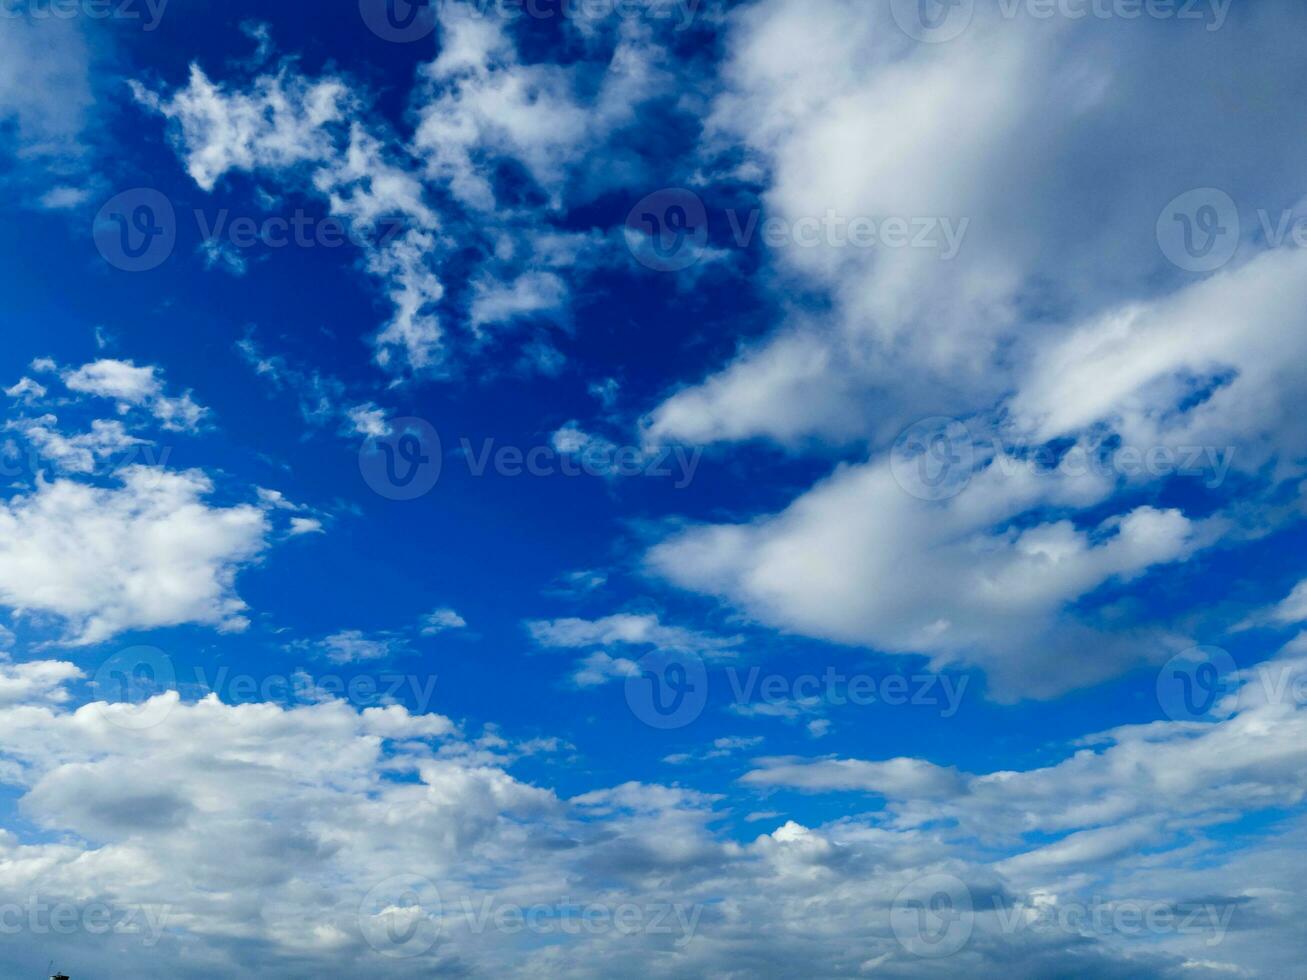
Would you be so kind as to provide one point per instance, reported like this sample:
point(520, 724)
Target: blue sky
point(720, 490)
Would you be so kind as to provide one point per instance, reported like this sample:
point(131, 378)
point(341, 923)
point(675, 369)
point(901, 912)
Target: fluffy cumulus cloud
point(36, 681)
point(131, 386)
point(1014, 284)
point(441, 621)
point(78, 453)
point(861, 559)
point(140, 399)
point(1038, 306)
point(484, 104)
point(1227, 348)
point(1011, 153)
point(417, 852)
point(147, 552)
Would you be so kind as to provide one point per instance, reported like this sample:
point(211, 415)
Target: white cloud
point(1135, 367)
point(309, 132)
point(442, 620)
point(136, 387)
point(355, 646)
point(36, 682)
point(1149, 779)
point(721, 748)
point(899, 778)
point(629, 629)
point(368, 420)
point(305, 525)
point(531, 293)
point(1022, 127)
point(483, 104)
point(624, 630)
point(281, 122)
point(323, 399)
point(1059, 318)
point(1293, 607)
point(145, 554)
point(64, 198)
point(46, 88)
point(120, 380)
point(26, 390)
point(476, 105)
point(77, 453)
point(859, 559)
point(599, 668)
point(220, 254)
point(358, 797)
